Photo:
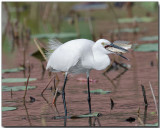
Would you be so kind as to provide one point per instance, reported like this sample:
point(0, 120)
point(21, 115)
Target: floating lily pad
point(147, 47)
point(12, 70)
point(17, 80)
point(98, 91)
point(96, 114)
point(130, 20)
point(17, 88)
point(149, 38)
point(156, 124)
point(129, 30)
point(8, 108)
point(54, 35)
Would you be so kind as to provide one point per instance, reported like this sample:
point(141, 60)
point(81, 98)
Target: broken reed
point(26, 89)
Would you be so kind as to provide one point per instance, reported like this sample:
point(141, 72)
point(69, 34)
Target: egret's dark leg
point(89, 98)
point(63, 95)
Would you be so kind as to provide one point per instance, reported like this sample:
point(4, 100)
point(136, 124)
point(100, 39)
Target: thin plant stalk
point(56, 110)
point(24, 61)
point(91, 27)
point(145, 114)
point(26, 88)
point(47, 85)
point(155, 102)
point(24, 101)
point(11, 93)
point(138, 117)
point(76, 25)
point(144, 95)
point(39, 48)
point(27, 113)
point(116, 18)
point(55, 96)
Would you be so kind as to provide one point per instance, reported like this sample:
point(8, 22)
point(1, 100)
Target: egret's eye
point(103, 44)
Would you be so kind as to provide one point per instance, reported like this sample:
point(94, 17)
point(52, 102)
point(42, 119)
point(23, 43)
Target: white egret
point(81, 56)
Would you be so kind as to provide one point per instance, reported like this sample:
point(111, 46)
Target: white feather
point(53, 44)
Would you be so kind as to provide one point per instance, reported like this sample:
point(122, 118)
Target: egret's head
point(107, 47)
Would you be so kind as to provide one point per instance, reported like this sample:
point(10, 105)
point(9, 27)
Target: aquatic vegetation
point(149, 38)
point(16, 80)
point(99, 91)
point(136, 19)
point(16, 88)
point(12, 70)
point(8, 108)
point(147, 47)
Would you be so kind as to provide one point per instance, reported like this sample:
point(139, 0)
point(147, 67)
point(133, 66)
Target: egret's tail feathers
point(53, 44)
point(123, 44)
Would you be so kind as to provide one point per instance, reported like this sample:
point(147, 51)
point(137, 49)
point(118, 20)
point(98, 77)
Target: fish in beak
point(119, 47)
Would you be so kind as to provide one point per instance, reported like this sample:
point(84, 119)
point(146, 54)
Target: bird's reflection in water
point(65, 121)
point(145, 114)
point(90, 121)
point(98, 122)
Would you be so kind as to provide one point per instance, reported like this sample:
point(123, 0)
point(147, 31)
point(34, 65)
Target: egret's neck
point(101, 60)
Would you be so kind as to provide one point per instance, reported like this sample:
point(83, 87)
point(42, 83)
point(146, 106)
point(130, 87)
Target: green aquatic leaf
point(150, 6)
point(149, 38)
point(129, 30)
point(54, 35)
point(147, 47)
point(96, 114)
point(131, 20)
point(17, 88)
point(98, 91)
point(12, 70)
point(38, 55)
point(8, 108)
point(156, 124)
point(16, 80)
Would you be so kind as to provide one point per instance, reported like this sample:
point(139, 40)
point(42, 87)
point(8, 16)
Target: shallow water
point(127, 97)
point(126, 94)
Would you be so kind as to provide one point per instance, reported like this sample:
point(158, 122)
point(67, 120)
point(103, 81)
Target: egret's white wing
point(69, 54)
point(78, 68)
point(53, 44)
point(123, 44)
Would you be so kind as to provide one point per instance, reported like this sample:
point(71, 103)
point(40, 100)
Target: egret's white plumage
point(80, 56)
